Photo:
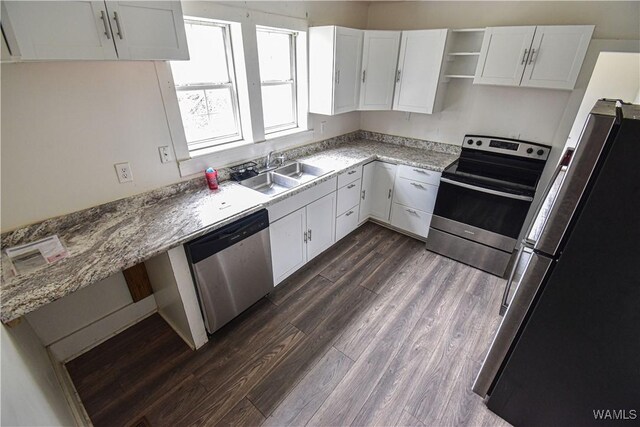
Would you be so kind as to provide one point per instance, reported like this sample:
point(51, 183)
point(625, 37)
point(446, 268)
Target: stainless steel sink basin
point(270, 183)
point(301, 171)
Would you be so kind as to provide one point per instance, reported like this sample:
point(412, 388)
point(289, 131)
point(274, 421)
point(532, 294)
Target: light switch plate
point(124, 172)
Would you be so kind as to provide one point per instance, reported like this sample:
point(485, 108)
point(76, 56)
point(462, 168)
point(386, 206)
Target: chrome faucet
point(270, 157)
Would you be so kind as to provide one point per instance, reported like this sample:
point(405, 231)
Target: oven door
point(483, 209)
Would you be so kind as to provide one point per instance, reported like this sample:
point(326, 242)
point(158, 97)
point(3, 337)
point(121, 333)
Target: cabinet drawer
point(412, 220)
point(415, 194)
point(419, 174)
point(349, 175)
point(348, 196)
point(347, 222)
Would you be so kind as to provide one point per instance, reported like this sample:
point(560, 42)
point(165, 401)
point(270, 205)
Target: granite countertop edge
point(117, 223)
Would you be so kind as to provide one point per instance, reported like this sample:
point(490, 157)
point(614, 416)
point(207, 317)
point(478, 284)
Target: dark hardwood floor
point(375, 331)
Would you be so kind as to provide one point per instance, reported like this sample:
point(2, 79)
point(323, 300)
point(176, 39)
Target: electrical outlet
point(165, 154)
point(124, 172)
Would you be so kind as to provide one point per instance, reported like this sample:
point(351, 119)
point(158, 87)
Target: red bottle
point(212, 178)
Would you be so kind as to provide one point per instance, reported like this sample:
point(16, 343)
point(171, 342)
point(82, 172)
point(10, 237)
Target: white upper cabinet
point(556, 56)
point(94, 30)
point(334, 69)
point(545, 57)
point(419, 68)
point(50, 30)
point(379, 61)
point(503, 55)
point(151, 30)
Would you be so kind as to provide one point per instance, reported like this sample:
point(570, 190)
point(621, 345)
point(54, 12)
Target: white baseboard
point(102, 329)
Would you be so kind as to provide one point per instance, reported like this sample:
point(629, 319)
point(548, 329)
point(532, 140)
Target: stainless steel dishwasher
point(231, 268)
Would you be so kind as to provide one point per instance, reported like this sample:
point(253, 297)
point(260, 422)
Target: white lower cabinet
point(321, 225)
point(301, 235)
point(288, 247)
point(415, 194)
point(377, 190)
point(346, 223)
point(409, 219)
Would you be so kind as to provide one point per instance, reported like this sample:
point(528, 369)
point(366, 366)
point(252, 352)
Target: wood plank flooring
point(375, 331)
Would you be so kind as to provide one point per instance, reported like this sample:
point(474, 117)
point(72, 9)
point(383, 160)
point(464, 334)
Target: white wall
point(31, 394)
point(616, 76)
point(65, 124)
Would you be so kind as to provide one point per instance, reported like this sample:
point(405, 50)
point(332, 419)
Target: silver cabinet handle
point(533, 52)
point(421, 171)
point(107, 31)
point(398, 76)
point(524, 57)
point(348, 213)
point(337, 76)
point(351, 172)
point(364, 75)
point(389, 196)
point(117, 19)
point(305, 237)
point(309, 234)
point(363, 193)
point(351, 186)
point(411, 211)
point(415, 184)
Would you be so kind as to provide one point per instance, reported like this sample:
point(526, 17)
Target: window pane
point(208, 63)
point(274, 51)
point(207, 113)
point(277, 105)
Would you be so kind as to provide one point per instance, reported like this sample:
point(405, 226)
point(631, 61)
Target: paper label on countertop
point(30, 256)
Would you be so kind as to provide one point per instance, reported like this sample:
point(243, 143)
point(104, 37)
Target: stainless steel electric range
point(483, 200)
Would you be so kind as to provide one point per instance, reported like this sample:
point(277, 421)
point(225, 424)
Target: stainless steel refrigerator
point(568, 348)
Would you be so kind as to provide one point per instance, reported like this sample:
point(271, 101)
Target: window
point(205, 86)
point(277, 58)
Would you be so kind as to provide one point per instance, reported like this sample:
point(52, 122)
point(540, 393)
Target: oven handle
point(487, 190)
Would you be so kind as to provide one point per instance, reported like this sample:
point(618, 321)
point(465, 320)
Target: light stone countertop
point(114, 236)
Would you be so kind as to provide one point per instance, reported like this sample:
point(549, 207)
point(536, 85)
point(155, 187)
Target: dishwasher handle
point(218, 240)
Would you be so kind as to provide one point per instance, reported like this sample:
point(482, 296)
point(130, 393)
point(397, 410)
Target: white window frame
point(293, 81)
point(195, 146)
point(255, 143)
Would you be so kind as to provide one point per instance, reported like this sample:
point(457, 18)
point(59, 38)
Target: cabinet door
point(151, 30)
point(288, 245)
point(321, 225)
point(379, 62)
point(348, 53)
point(556, 56)
point(419, 65)
point(503, 55)
point(377, 185)
point(52, 30)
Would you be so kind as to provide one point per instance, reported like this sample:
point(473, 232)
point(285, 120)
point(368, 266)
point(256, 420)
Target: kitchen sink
point(301, 171)
point(283, 178)
point(270, 183)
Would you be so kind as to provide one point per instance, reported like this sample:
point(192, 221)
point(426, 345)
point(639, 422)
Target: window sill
point(241, 151)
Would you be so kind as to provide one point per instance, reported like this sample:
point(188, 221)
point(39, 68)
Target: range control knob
point(470, 142)
point(478, 143)
point(529, 150)
point(540, 152)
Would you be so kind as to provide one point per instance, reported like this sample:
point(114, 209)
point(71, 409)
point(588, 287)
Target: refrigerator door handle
point(531, 281)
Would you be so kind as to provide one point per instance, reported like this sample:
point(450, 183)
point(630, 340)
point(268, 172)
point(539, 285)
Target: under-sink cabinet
point(348, 201)
point(302, 227)
point(94, 30)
